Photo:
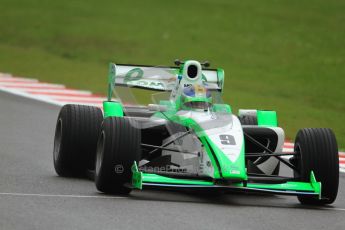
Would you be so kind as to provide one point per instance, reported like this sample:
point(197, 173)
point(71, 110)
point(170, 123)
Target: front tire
point(117, 149)
point(318, 152)
point(75, 141)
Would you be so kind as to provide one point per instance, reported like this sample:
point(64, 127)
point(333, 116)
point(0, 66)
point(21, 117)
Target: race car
point(186, 137)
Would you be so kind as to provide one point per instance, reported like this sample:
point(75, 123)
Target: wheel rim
point(100, 152)
point(57, 139)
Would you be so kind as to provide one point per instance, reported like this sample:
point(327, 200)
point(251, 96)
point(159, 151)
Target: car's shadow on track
point(230, 199)
point(233, 199)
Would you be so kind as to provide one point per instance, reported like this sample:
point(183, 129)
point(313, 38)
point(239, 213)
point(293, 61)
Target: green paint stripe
point(288, 186)
point(154, 178)
point(112, 109)
point(267, 118)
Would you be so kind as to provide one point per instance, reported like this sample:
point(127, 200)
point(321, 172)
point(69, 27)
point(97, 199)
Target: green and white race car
point(188, 138)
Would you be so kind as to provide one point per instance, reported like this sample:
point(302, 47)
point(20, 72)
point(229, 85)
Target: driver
point(196, 97)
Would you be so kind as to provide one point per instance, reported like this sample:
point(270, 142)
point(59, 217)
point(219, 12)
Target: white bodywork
point(215, 126)
point(223, 129)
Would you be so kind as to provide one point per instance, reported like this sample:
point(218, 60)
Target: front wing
point(142, 180)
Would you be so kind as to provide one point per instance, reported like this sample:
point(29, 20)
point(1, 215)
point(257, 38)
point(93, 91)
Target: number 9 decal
point(227, 140)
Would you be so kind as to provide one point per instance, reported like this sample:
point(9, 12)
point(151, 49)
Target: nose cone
point(192, 70)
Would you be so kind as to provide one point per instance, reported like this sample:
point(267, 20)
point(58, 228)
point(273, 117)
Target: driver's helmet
point(196, 97)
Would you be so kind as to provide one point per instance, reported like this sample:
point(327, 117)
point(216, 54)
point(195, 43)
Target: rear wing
point(156, 78)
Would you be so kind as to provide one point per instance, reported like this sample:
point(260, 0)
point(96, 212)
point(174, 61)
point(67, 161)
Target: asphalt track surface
point(32, 196)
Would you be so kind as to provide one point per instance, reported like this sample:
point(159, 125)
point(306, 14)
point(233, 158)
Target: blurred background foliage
point(286, 55)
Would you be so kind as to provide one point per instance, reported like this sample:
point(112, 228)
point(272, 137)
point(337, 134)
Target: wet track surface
point(32, 196)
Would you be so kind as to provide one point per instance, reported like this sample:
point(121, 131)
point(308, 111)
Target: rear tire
point(117, 149)
point(318, 153)
point(75, 141)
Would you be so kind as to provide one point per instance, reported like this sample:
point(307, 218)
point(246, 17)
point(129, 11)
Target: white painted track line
point(56, 91)
point(332, 209)
point(30, 85)
point(60, 195)
point(39, 195)
point(35, 97)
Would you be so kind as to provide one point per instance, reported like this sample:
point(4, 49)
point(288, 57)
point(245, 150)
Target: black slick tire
point(318, 152)
point(118, 148)
point(75, 141)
